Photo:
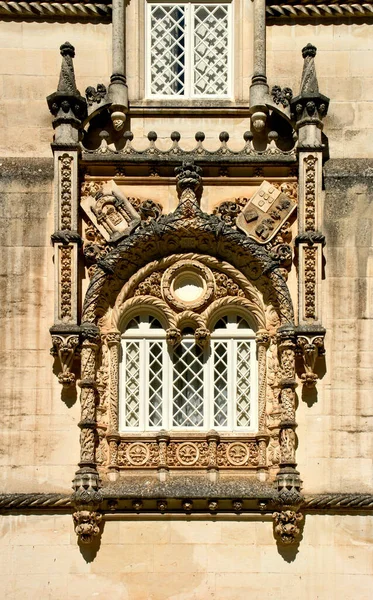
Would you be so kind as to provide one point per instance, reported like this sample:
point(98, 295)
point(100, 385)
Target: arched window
point(188, 387)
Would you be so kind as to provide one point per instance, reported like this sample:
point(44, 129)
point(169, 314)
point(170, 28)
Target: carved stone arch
point(249, 310)
point(130, 308)
point(206, 234)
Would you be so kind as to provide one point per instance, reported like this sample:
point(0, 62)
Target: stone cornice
point(304, 10)
point(100, 12)
point(113, 500)
point(70, 10)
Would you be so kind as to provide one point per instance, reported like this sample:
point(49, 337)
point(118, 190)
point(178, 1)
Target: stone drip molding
point(41, 503)
point(73, 11)
point(305, 10)
point(101, 12)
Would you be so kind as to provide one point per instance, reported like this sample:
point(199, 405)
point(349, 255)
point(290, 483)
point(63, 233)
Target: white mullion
point(189, 51)
point(165, 385)
point(208, 384)
point(170, 387)
point(144, 384)
point(230, 62)
point(232, 378)
point(148, 62)
point(253, 387)
point(122, 388)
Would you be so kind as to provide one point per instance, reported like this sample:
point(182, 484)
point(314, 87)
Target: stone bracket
point(310, 346)
point(65, 346)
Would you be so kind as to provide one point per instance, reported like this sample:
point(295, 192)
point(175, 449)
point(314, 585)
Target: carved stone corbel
point(309, 347)
point(286, 526)
point(86, 500)
point(64, 347)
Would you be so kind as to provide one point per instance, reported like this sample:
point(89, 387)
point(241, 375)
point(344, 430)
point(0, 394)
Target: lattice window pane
point(243, 385)
point(220, 357)
point(155, 383)
point(210, 63)
point(188, 376)
point(167, 50)
point(132, 384)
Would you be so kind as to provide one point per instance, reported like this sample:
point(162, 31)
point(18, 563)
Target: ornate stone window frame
point(146, 237)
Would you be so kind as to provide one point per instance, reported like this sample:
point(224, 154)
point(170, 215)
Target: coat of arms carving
point(265, 213)
point(111, 212)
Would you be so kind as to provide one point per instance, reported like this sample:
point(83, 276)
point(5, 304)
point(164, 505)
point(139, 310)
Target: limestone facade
point(211, 534)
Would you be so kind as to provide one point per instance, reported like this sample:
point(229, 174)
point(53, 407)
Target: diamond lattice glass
point(243, 384)
point(167, 50)
point(220, 357)
point(132, 384)
point(155, 383)
point(210, 58)
point(188, 376)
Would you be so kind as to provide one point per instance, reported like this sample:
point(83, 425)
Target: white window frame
point(144, 336)
point(189, 36)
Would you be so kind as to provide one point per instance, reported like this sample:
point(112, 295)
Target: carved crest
point(265, 213)
point(111, 212)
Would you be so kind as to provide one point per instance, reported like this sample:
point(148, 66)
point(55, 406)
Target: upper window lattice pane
point(211, 50)
point(189, 50)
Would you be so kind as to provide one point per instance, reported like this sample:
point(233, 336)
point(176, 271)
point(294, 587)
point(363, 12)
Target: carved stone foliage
point(310, 347)
point(65, 161)
point(310, 192)
point(286, 525)
point(64, 347)
point(95, 95)
point(283, 96)
point(187, 453)
point(184, 290)
point(238, 454)
point(137, 454)
point(310, 282)
point(66, 257)
point(186, 229)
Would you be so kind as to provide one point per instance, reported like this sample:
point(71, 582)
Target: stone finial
point(310, 107)
point(66, 104)
point(66, 84)
point(309, 83)
point(188, 176)
point(309, 50)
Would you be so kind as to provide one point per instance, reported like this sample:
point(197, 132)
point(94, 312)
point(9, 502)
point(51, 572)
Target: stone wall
point(186, 559)
point(183, 558)
point(39, 442)
point(30, 63)
point(345, 72)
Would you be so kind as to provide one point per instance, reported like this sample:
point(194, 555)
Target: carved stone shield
point(111, 212)
point(265, 213)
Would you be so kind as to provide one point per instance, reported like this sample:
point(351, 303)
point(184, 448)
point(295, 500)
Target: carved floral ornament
point(221, 287)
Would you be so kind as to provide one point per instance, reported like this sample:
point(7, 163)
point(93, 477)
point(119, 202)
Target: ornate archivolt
point(225, 287)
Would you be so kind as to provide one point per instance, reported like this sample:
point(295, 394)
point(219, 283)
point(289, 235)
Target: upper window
point(188, 387)
point(189, 50)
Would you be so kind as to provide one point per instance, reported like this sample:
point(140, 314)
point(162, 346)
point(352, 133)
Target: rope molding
point(100, 12)
point(17, 10)
point(329, 10)
point(316, 502)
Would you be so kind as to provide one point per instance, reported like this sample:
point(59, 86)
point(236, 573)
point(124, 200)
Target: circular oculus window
point(188, 284)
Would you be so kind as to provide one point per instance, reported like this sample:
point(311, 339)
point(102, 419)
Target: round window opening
point(188, 287)
point(188, 284)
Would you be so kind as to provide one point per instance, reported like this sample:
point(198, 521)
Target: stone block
point(149, 531)
point(181, 558)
